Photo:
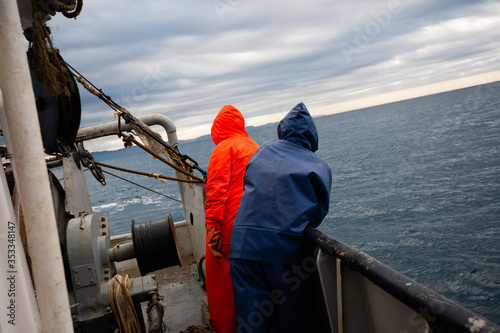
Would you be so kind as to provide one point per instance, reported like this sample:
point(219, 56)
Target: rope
point(151, 138)
point(120, 299)
point(95, 136)
point(87, 86)
point(155, 313)
point(130, 139)
point(144, 187)
point(184, 172)
point(125, 179)
point(48, 67)
point(148, 174)
point(73, 11)
point(46, 64)
point(59, 6)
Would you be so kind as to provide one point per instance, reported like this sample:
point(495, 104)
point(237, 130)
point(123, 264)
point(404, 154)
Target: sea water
point(416, 185)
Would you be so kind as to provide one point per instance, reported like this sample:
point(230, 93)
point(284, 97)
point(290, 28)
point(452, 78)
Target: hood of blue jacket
point(298, 127)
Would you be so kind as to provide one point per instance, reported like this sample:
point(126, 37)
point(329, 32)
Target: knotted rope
point(121, 302)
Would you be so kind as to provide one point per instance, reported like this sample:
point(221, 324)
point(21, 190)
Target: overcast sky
point(186, 59)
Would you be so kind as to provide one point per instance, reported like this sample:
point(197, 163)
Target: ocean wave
point(121, 204)
point(103, 207)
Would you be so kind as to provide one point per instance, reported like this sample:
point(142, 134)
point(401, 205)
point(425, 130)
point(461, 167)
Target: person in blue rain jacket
point(286, 188)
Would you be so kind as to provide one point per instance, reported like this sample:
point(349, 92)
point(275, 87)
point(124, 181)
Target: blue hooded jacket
point(287, 187)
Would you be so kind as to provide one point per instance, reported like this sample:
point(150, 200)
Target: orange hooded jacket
point(226, 169)
point(224, 189)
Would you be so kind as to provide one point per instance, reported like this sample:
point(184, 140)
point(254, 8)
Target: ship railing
point(358, 293)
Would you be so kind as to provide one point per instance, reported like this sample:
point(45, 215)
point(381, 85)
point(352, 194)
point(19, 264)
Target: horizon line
point(409, 93)
point(371, 101)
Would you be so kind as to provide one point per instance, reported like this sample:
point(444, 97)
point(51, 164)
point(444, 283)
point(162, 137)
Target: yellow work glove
point(214, 242)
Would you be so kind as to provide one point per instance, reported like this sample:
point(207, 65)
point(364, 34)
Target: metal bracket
point(84, 275)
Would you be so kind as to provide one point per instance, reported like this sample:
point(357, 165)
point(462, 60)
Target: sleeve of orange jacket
point(218, 179)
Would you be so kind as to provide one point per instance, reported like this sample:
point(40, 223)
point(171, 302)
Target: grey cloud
point(262, 55)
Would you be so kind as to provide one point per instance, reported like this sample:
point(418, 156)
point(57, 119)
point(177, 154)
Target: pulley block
point(59, 115)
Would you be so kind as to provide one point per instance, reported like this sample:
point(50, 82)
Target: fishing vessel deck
point(181, 287)
point(349, 290)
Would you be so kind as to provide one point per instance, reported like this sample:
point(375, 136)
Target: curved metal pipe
point(152, 119)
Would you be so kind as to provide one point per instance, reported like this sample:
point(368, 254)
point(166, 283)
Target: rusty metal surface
point(184, 298)
point(77, 194)
point(87, 249)
point(372, 297)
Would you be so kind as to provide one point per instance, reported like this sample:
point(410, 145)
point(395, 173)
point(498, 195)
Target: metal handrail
point(439, 311)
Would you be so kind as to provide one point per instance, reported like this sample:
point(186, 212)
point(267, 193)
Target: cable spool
point(155, 245)
point(59, 115)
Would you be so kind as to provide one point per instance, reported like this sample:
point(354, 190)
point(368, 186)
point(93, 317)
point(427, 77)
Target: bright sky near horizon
point(186, 59)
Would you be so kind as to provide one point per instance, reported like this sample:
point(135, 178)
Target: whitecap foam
point(104, 207)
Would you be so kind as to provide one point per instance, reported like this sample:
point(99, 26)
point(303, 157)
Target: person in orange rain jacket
point(224, 188)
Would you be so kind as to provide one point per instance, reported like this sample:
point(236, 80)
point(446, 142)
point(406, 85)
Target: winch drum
point(155, 245)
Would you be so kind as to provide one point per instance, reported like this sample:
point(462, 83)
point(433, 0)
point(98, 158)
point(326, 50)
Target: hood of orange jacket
point(228, 122)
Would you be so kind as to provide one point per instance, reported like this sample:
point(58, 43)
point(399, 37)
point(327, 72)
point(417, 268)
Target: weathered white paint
point(475, 324)
point(18, 297)
point(28, 162)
